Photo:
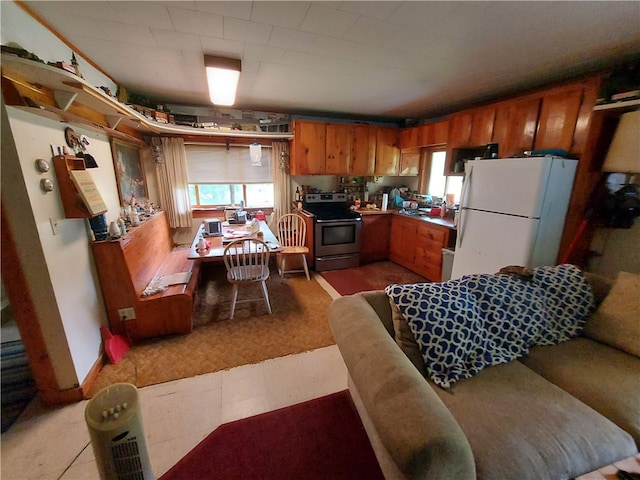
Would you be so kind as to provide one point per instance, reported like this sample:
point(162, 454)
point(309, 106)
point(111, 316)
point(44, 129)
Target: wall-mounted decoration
point(42, 165)
point(79, 143)
point(129, 171)
point(46, 185)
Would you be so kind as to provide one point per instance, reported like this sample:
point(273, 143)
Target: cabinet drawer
point(429, 233)
point(431, 272)
point(428, 256)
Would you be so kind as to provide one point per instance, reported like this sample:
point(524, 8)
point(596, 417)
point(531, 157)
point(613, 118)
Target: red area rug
point(322, 439)
point(373, 276)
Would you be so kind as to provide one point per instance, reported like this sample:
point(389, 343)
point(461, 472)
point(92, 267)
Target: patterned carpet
point(298, 324)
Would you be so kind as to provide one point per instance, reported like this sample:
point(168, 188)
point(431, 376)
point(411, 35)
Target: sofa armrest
point(413, 424)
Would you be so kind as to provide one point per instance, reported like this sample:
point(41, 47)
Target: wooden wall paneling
point(23, 306)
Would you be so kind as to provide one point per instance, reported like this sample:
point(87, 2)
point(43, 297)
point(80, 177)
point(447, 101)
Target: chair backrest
point(247, 259)
point(292, 230)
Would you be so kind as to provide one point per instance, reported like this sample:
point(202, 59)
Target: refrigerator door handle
point(465, 188)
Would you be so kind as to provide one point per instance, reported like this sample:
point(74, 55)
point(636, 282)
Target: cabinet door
point(387, 151)
point(376, 230)
point(439, 133)
point(558, 116)
point(308, 152)
point(409, 162)
point(515, 126)
point(460, 129)
point(409, 137)
point(482, 126)
point(337, 148)
point(363, 150)
point(402, 243)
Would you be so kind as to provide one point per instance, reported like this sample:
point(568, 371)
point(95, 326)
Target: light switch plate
point(54, 226)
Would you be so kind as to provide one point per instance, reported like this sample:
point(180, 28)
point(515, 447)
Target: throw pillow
point(616, 322)
point(405, 339)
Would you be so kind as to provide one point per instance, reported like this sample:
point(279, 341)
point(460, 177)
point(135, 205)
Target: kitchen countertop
point(444, 222)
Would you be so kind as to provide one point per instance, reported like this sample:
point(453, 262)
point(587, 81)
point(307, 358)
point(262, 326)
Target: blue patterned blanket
point(465, 325)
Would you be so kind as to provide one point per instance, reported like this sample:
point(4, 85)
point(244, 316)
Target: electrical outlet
point(127, 314)
point(54, 226)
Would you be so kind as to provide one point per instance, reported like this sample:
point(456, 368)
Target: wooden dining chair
point(292, 234)
point(247, 262)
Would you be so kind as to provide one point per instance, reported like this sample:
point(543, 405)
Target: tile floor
point(54, 444)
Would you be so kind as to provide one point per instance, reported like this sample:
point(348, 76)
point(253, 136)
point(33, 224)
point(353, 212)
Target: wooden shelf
point(56, 94)
point(72, 202)
point(616, 105)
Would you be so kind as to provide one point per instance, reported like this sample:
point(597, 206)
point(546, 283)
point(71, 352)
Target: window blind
point(216, 164)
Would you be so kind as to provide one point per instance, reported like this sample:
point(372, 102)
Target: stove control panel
point(325, 198)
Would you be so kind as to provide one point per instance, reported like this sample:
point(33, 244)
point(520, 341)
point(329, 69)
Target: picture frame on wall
point(129, 170)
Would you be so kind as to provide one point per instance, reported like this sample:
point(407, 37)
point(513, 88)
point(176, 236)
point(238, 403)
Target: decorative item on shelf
point(76, 66)
point(99, 226)
point(114, 230)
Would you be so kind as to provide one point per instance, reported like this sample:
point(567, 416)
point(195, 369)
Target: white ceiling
point(373, 59)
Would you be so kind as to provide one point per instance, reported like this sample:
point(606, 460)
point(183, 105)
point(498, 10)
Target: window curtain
point(171, 171)
point(280, 162)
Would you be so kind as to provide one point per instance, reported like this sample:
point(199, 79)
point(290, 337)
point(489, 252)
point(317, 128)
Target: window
point(439, 184)
point(220, 176)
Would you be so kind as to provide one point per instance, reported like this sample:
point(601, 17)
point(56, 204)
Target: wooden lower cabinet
point(417, 245)
point(428, 256)
point(376, 231)
point(402, 244)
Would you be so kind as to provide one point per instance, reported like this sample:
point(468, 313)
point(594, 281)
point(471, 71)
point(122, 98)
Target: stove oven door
point(337, 237)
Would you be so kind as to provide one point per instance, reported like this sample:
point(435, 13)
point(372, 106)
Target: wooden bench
point(127, 266)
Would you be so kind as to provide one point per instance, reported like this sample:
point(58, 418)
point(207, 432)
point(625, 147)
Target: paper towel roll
point(385, 201)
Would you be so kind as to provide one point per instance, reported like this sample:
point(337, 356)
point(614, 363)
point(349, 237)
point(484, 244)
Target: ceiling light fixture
point(222, 77)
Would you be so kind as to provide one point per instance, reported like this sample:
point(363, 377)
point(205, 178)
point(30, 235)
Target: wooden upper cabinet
point(558, 116)
point(439, 132)
point(515, 125)
point(338, 148)
point(308, 152)
point(409, 162)
point(482, 126)
point(387, 151)
point(460, 129)
point(409, 137)
point(363, 150)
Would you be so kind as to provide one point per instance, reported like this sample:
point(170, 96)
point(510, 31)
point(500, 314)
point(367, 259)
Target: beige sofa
point(560, 412)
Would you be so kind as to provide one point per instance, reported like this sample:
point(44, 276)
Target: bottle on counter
point(297, 194)
point(443, 209)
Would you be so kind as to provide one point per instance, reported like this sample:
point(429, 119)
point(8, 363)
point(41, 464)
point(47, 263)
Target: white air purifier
point(115, 427)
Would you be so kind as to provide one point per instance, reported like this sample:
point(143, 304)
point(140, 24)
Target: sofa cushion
point(520, 426)
point(616, 322)
point(405, 339)
point(462, 326)
point(606, 379)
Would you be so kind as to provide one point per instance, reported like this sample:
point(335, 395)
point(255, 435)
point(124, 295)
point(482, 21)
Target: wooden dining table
point(216, 244)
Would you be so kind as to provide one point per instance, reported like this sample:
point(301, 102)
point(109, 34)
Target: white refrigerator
point(512, 212)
